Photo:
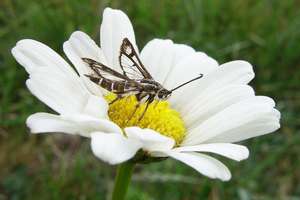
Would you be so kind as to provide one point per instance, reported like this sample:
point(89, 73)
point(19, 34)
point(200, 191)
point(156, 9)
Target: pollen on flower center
point(159, 116)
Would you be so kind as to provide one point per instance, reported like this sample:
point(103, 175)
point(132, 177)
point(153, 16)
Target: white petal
point(62, 94)
point(204, 164)
point(76, 124)
point(79, 46)
point(157, 56)
point(114, 28)
point(150, 139)
point(113, 148)
point(46, 122)
point(232, 151)
point(190, 67)
point(82, 46)
point(160, 56)
point(96, 106)
point(265, 124)
point(232, 117)
point(32, 55)
point(235, 72)
point(181, 51)
point(239, 71)
point(52, 80)
point(214, 101)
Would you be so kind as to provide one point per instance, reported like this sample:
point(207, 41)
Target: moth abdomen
point(117, 86)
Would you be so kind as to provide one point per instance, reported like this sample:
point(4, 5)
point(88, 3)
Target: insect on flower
point(208, 116)
point(135, 80)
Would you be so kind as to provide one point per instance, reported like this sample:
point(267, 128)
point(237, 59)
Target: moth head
point(164, 94)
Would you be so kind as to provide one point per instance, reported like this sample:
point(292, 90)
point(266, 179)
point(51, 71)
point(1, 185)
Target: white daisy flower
point(205, 116)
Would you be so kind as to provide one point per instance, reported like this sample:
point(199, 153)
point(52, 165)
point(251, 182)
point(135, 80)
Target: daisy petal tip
point(33, 122)
point(28, 43)
point(277, 114)
point(250, 66)
point(243, 63)
point(247, 67)
point(77, 33)
point(113, 148)
point(28, 83)
point(107, 9)
point(13, 51)
point(278, 126)
point(16, 52)
point(30, 124)
point(226, 177)
point(79, 36)
point(111, 10)
point(223, 175)
point(21, 42)
point(244, 153)
point(66, 44)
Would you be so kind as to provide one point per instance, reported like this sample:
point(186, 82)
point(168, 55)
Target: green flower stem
point(122, 180)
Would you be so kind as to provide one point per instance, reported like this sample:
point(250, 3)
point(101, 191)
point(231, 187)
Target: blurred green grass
point(266, 33)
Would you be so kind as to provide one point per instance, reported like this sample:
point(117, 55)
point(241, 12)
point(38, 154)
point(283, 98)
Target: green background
point(55, 166)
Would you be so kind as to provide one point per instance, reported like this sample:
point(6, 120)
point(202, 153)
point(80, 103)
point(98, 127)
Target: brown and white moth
point(135, 80)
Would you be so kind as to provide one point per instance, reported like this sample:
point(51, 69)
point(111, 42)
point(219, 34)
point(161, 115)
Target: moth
point(135, 79)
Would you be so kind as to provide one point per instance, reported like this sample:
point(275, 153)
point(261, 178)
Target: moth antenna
point(183, 84)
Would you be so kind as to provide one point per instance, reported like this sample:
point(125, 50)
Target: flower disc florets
point(159, 116)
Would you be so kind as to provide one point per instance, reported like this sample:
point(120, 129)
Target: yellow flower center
point(159, 116)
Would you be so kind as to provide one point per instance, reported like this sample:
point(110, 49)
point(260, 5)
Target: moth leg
point(135, 109)
point(148, 101)
point(115, 99)
point(139, 98)
point(156, 103)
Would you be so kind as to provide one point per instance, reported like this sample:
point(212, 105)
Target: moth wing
point(130, 63)
point(103, 71)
